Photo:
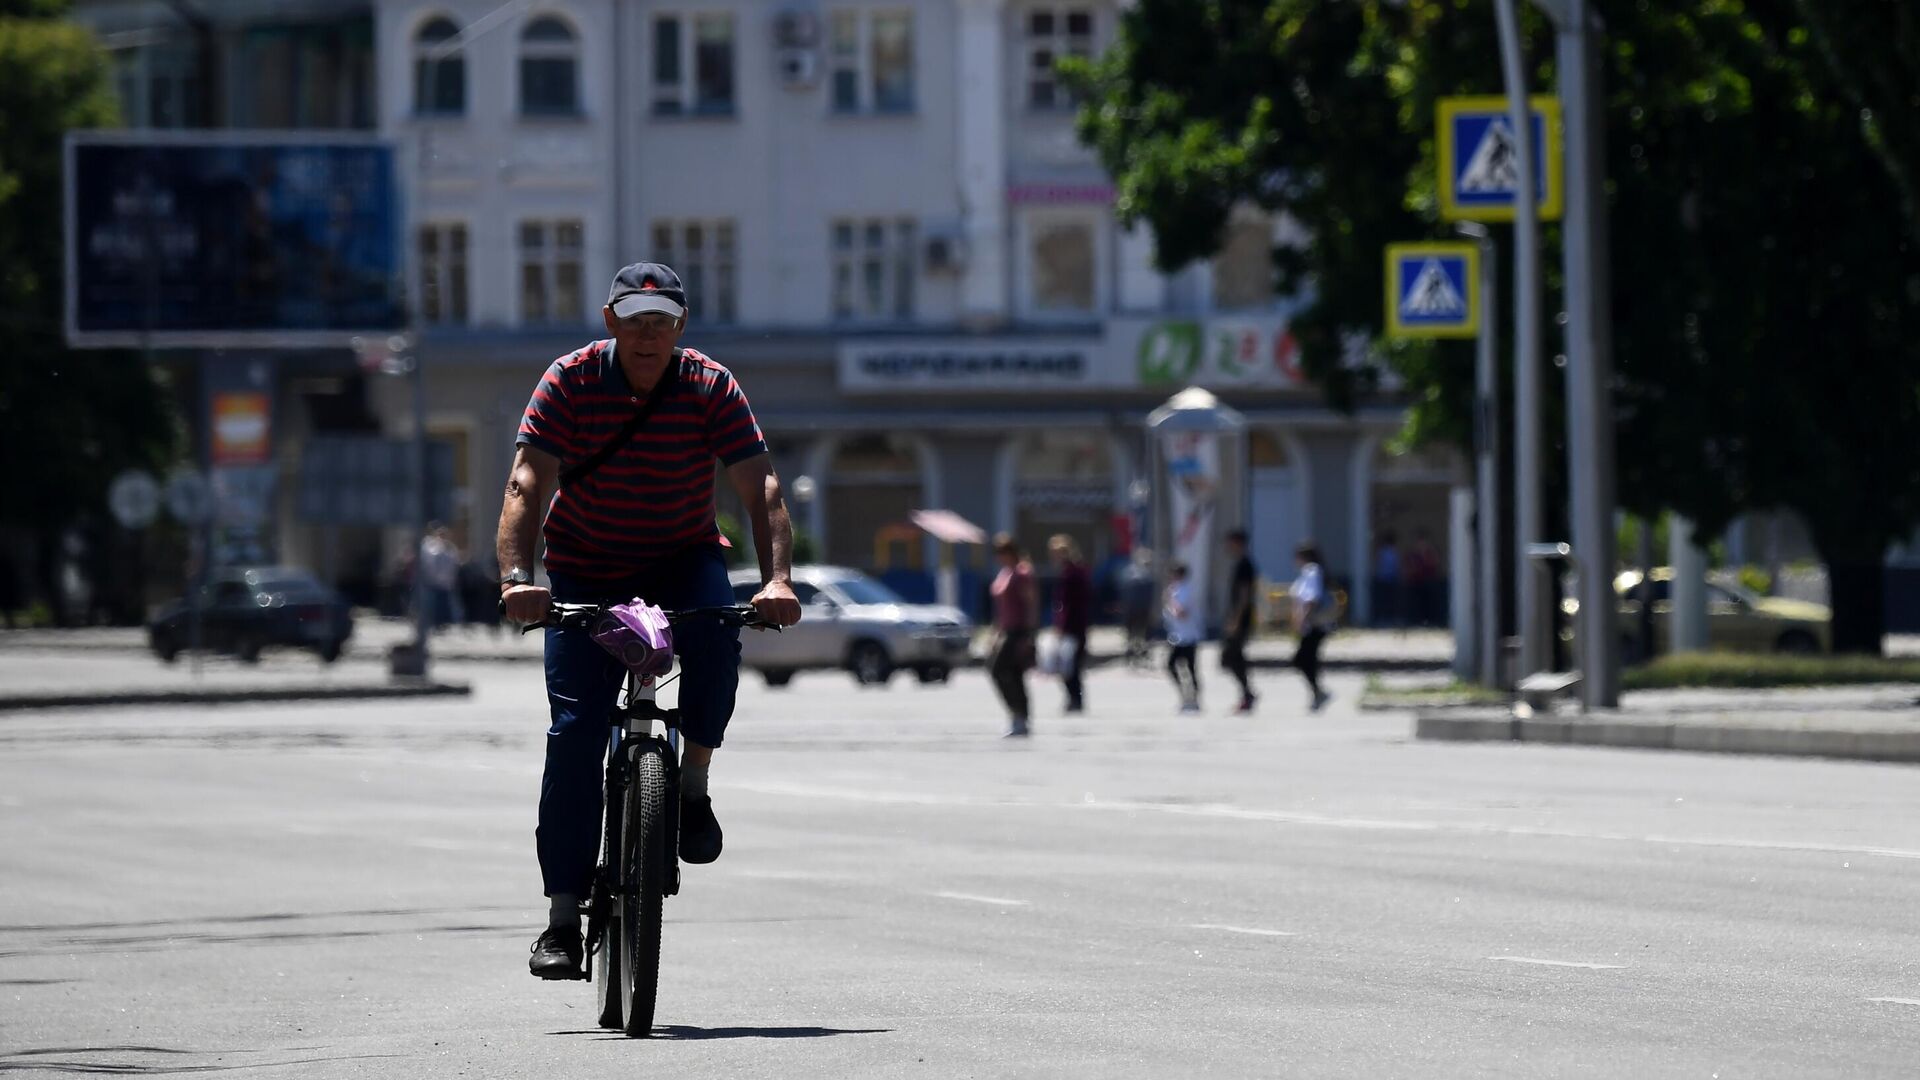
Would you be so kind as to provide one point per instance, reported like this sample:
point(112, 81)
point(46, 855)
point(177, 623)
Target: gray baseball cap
point(647, 287)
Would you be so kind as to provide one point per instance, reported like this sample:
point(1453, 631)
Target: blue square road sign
point(1433, 290)
point(1479, 158)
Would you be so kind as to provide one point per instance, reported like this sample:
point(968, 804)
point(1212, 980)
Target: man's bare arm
point(759, 490)
point(530, 486)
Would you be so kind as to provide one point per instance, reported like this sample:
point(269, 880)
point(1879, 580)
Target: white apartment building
point(888, 230)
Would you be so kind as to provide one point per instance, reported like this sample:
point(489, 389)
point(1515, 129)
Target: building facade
point(887, 228)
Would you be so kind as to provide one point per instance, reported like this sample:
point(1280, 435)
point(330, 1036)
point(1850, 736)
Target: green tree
point(1872, 50)
point(1749, 234)
point(74, 419)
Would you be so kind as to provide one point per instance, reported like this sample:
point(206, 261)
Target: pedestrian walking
point(1387, 606)
point(1312, 618)
point(1015, 614)
point(1238, 628)
point(1184, 630)
point(440, 563)
point(1072, 616)
point(1422, 576)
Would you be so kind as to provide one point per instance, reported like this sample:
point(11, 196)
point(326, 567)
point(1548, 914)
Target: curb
point(234, 696)
point(1665, 733)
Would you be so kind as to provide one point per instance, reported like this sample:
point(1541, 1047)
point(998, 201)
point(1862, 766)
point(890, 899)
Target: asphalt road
point(348, 890)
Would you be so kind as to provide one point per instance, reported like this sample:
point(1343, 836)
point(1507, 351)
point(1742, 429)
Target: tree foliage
point(1872, 49)
point(1764, 311)
point(72, 419)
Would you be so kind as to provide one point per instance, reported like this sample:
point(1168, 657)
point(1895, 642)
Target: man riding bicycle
point(626, 431)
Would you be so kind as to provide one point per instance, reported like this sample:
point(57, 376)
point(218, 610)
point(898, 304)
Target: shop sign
point(990, 365)
point(1223, 352)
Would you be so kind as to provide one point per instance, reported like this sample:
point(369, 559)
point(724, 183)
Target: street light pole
point(1590, 452)
point(1486, 446)
point(1529, 596)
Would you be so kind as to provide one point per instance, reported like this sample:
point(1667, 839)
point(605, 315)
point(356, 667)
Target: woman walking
point(1072, 615)
point(1015, 612)
point(1312, 618)
point(1184, 629)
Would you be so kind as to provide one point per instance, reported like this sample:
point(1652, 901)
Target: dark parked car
point(245, 610)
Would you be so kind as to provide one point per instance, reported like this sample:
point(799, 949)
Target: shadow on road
point(690, 1034)
point(86, 1060)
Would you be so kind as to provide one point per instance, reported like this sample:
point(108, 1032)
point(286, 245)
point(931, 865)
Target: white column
point(1689, 618)
point(1462, 582)
point(983, 161)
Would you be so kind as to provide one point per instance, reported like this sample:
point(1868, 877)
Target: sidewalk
point(1874, 723)
point(44, 678)
point(373, 637)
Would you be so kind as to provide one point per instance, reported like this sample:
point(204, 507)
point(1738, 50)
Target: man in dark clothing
point(1072, 614)
point(1238, 627)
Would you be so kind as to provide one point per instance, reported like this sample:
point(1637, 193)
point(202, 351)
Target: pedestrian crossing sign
point(1433, 290)
point(1479, 159)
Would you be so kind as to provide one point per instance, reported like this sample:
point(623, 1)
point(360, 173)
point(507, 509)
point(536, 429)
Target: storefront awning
point(948, 527)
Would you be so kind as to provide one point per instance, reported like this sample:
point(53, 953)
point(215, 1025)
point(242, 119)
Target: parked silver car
point(851, 622)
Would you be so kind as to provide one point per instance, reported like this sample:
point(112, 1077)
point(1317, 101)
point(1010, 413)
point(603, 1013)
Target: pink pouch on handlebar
point(638, 635)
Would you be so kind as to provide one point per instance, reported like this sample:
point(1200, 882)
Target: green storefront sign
point(1170, 352)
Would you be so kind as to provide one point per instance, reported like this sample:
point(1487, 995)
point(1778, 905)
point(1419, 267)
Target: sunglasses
point(656, 321)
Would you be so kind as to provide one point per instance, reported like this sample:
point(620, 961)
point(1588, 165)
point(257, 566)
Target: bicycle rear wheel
point(643, 886)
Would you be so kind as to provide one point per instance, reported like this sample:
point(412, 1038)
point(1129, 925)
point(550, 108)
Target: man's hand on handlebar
point(526, 604)
point(777, 604)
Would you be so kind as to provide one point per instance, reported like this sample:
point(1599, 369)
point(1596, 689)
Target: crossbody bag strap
point(661, 387)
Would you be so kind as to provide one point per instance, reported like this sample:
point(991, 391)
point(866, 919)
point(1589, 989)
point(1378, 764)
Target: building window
point(1051, 34)
point(872, 61)
point(160, 87)
point(874, 268)
point(549, 69)
point(443, 274)
point(439, 70)
point(693, 73)
point(1243, 270)
point(550, 272)
point(703, 254)
point(306, 75)
point(1063, 267)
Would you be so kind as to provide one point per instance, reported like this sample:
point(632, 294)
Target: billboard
point(196, 239)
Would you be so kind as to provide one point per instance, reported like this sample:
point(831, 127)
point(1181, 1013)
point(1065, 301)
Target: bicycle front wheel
point(643, 886)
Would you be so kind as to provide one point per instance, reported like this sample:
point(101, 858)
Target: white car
point(853, 623)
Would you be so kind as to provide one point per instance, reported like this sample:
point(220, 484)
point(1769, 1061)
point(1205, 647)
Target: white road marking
point(1256, 931)
point(1898, 1001)
point(1557, 963)
point(971, 898)
point(1287, 817)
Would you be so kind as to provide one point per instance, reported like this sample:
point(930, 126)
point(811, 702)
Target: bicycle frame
point(632, 725)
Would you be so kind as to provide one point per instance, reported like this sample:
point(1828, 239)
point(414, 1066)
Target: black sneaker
point(557, 953)
point(699, 830)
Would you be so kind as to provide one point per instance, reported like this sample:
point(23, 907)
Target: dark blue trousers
point(583, 685)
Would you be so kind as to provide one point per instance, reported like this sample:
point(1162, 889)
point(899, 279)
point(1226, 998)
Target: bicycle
point(640, 862)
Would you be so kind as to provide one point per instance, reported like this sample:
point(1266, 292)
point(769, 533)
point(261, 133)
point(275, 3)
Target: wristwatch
point(516, 576)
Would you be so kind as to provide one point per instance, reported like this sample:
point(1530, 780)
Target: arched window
point(549, 69)
point(439, 70)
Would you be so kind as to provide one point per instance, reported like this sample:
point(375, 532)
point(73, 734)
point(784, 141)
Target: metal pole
point(421, 614)
point(1487, 452)
point(1529, 597)
point(1589, 358)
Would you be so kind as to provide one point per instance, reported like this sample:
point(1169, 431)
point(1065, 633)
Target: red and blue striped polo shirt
point(654, 496)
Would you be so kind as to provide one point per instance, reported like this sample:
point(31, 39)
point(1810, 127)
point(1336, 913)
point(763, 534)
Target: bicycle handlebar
point(581, 616)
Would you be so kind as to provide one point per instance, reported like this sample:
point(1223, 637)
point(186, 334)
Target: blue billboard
point(205, 241)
